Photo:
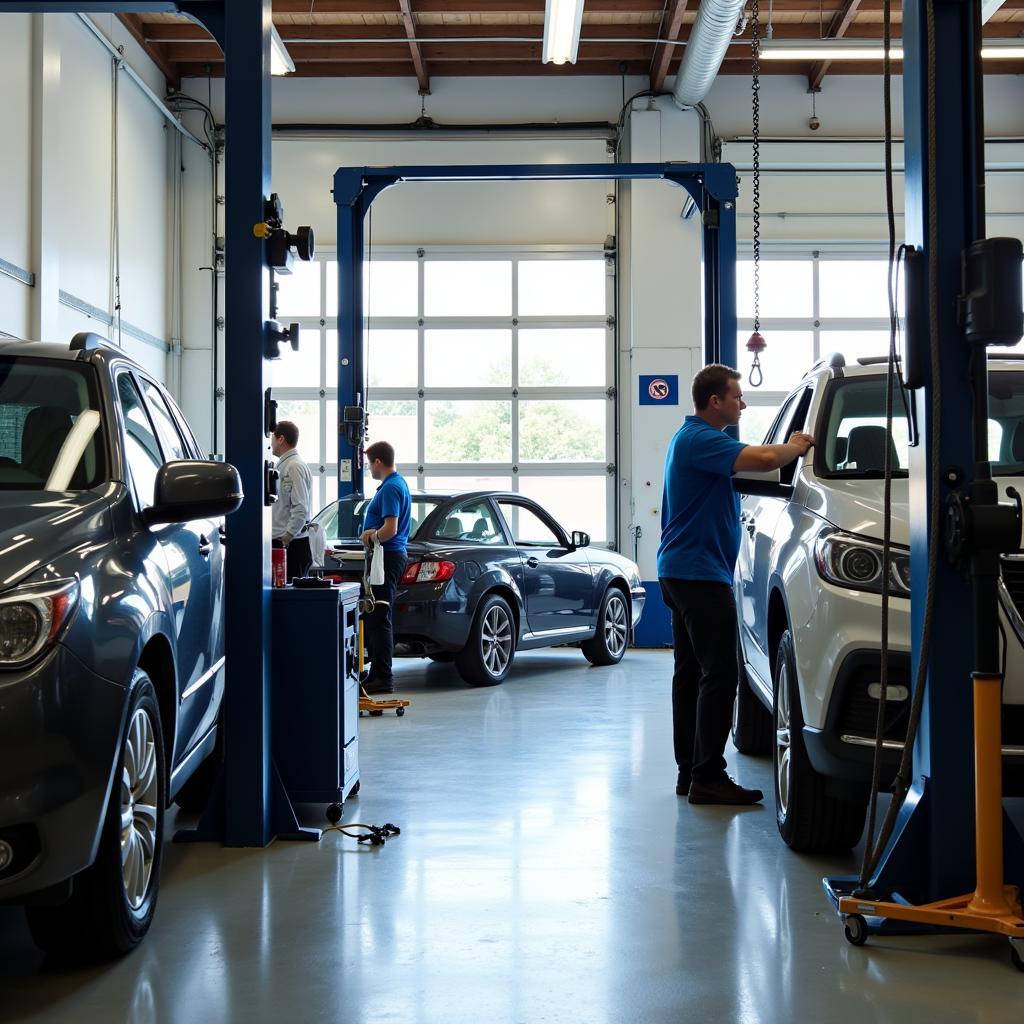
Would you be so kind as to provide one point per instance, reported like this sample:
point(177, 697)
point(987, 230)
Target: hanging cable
point(904, 774)
point(756, 343)
point(114, 290)
point(883, 682)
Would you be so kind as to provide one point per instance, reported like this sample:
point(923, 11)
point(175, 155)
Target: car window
point(527, 527)
point(854, 438)
point(141, 448)
point(51, 427)
point(171, 440)
point(184, 428)
point(784, 423)
point(474, 522)
point(794, 418)
point(343, 520)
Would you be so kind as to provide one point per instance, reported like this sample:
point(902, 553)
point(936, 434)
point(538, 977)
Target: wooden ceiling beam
point(663, 55)
point(414, 47)
point(155, 52)
point(462, 6)
point(841, 22)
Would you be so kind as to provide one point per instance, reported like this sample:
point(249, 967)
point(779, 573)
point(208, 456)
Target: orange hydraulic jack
point(993, 906)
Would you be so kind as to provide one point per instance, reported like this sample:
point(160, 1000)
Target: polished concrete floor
point(546, 873)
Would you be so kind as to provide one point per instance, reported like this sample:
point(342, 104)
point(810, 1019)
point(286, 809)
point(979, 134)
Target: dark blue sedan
point(491, 573)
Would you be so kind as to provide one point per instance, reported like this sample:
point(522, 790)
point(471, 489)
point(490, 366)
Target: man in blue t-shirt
point(386, 522)
point(700, 539)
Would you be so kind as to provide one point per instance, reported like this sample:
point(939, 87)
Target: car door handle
point(532, 562)
point(205, 546)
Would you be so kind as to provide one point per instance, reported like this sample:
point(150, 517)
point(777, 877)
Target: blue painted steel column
point(353, 198)
point(719, 255)
point(247, 308)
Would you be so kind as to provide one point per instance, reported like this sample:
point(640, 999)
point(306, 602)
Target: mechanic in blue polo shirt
point(700, 539)
point(386, 521)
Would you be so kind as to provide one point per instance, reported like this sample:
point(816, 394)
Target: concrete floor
point(546, 873)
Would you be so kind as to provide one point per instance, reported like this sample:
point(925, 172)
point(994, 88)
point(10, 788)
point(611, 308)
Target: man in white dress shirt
point(292, 510)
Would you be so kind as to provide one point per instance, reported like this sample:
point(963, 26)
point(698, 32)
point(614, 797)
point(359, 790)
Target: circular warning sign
point(658, 389)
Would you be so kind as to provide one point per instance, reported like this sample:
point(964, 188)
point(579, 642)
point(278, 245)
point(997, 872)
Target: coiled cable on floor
point(371, 835)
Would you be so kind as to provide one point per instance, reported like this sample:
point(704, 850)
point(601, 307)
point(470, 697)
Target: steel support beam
point(712, 186)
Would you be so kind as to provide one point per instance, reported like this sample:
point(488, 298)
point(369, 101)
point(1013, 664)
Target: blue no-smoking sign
point(659, 389)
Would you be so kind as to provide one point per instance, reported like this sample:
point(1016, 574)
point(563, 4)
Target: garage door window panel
point(557, 288)
point(478, 288)
point(563, 357)
point(467, 359)
point(468, 431)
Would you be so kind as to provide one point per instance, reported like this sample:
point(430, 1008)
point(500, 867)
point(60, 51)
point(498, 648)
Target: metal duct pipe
point(705, 50)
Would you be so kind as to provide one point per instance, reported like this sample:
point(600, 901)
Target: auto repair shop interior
point(503, 236)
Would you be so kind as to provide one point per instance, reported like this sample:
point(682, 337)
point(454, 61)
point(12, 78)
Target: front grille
point(858, 711)
point(1013, 580)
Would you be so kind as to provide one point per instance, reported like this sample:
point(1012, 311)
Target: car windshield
point(51, 429)
point(343, 520)
point(854, 439)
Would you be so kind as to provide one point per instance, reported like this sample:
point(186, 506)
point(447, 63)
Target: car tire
point(113, 901)
point(810, 819)
point(487, 657)
point(611, 638)
point(751, 720)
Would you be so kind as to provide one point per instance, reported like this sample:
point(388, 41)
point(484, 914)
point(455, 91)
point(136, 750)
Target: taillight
point(428, 572)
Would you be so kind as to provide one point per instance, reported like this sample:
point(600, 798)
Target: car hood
point(856, 506)
point(37, 527)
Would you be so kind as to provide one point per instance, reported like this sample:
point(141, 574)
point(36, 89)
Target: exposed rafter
point(663, 54)
point(134, 24)
point(414, 47)
point(841, 22)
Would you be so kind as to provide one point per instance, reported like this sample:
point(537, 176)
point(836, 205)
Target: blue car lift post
point(712, 186)
point(250, 806)
point(930, 860)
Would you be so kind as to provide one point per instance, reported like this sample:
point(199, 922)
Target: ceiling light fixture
point(867, 49)
point(281, 62)
point(563, 20)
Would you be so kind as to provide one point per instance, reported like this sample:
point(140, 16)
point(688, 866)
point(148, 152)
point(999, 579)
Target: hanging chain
point(756, 375)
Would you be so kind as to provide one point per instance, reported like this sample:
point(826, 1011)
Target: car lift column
point(932, 851)
point(712, 187)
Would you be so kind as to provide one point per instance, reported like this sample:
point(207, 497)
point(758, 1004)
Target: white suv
point(808, 586)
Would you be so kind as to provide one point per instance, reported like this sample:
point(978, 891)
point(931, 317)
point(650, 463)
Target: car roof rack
point(86, 341)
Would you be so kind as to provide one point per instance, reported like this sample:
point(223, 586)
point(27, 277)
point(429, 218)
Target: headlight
point(849, 561)
point(32, 617)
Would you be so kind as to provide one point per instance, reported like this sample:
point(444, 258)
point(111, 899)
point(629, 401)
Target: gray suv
point(111, 636)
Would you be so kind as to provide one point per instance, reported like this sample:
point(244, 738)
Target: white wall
point(15, 174)
point(56, 170)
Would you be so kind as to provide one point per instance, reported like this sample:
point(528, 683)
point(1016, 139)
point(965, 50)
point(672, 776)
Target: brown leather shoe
point(682, 785)
point(725, 791)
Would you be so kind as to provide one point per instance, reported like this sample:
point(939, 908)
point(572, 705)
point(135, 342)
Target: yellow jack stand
point(376, 708)
point(993, 907)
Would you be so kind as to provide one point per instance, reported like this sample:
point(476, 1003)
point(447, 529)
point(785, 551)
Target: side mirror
point(765, 484)
point(580, 539)
point(191, 489)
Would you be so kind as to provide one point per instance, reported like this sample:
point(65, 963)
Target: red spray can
point(277, 567)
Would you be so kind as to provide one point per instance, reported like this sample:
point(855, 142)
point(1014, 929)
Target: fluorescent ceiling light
point(865, 49)
point(281, 62)
point(562, 22)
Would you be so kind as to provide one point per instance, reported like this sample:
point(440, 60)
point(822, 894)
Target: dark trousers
point(704, 635)
point(298, 557)
point(378, 625)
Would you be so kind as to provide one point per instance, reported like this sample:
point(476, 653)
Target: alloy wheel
point(615, 628)
point(783, 758)
point(496, 640)
point(139, 796)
